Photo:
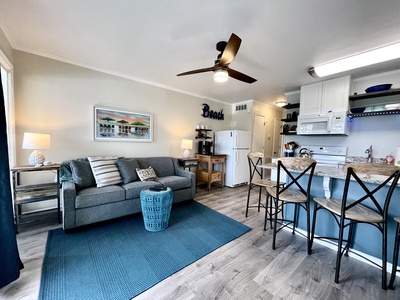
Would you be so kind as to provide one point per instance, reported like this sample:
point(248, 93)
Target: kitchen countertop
point(366, 171)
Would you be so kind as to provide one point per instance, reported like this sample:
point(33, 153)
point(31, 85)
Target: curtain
point(10, 263)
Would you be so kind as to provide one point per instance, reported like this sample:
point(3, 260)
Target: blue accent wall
point(367, 238)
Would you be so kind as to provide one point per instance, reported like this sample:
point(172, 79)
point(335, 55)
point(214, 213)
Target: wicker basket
point(156, 208)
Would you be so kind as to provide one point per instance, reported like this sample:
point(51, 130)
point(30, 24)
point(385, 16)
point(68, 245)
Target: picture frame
point(120, 125)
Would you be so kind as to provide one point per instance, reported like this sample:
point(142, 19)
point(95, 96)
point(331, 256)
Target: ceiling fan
point(221, 67)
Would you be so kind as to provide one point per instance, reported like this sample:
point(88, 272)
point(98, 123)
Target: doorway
point(258, 134)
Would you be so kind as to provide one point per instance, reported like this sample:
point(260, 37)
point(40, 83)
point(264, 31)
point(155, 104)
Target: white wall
point(58, 98)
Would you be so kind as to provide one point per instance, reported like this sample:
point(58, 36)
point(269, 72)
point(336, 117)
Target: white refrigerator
point(236, 145)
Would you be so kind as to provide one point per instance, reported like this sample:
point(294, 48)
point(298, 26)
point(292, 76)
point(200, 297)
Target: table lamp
point(36, 141)
point(187, 145)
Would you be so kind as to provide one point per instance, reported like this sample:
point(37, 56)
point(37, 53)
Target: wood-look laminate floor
point(246, 268)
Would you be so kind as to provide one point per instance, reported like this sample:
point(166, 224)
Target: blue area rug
point(120, 259)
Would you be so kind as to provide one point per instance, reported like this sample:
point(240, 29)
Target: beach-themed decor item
point(112, 124)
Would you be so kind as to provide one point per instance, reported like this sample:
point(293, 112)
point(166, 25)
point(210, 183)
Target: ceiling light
point(280, 103)
point(357, 61)
point(221, 75)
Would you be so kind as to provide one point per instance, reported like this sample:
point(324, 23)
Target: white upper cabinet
point(326, 96)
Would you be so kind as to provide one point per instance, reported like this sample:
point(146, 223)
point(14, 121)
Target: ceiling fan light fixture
point(357, 61)
point(221, 75)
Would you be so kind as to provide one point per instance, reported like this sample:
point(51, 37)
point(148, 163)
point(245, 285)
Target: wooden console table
point(208, 174)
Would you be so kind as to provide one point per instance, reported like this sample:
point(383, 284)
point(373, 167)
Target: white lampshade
point(221, 75)
point(187, 145)
point(357, 61)
point(36, 141)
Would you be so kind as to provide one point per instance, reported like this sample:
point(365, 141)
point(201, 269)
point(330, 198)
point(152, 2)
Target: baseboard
point(333, 246)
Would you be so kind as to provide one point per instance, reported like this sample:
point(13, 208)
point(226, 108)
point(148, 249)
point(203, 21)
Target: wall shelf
point(376, 113)
point(287, 131)
point(290, 106)
point(289, 120)
point(203, 133)
point(390, 92)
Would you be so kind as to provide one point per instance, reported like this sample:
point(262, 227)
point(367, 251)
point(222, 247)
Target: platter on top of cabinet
point(384, 93)
point(378, 88)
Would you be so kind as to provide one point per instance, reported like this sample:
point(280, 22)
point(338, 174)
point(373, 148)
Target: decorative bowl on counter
point(378, 88)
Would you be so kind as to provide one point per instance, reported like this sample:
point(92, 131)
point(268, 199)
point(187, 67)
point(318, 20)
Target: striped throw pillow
point(105, 170)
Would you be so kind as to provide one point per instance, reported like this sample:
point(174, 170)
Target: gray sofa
point(84, 203)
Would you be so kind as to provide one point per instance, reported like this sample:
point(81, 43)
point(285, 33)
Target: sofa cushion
point(175, 182)
point(82, 174)
point(164, 166)
point(133, 188)
point(127, 168)
point(146, 174)
point(105, 170)
point(96, 196)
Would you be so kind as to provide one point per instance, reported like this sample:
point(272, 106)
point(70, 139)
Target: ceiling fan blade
point(197, 71)
point(232, 47)
point(240, 76)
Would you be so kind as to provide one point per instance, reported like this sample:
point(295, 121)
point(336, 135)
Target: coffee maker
point(204, 147)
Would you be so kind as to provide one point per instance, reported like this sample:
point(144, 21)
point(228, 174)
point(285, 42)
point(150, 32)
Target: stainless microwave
point(335, 123)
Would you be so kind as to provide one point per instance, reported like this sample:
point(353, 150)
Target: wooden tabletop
point(33, 168)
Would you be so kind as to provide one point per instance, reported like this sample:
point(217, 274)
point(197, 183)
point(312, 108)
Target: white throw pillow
point(146, 174)
point(105, 170)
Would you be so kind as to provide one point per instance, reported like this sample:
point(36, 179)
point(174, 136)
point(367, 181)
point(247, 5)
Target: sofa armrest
point(192, 176)
point(68, 195)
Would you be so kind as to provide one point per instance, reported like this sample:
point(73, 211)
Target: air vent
point(241, 107)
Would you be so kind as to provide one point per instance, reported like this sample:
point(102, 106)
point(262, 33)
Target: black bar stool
point(257, 181)
point(348, 212)
point(295, 192)
point(395, 253)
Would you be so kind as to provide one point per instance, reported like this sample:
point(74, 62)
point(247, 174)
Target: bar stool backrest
point(355, 173)
point(289, 165)
point(255, 159)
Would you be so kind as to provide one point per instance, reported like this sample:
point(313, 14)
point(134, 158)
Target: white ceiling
point(152, 41)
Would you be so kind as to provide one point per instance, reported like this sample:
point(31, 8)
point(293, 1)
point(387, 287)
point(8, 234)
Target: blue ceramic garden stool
point(156, 208)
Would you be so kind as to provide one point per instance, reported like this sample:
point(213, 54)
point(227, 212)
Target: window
point(6, 78)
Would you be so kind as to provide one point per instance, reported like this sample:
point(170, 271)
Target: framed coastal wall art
point(113, 124)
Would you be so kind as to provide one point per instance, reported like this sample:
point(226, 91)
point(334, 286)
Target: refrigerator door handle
point(236, 140)
point(236, 157)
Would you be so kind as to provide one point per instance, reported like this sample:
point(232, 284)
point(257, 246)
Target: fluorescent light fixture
point(36, 141)
point(280, 103)
point(221, 75)
point(357, 61)
point(187, 145)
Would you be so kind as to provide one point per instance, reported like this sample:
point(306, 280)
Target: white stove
point(328, 156)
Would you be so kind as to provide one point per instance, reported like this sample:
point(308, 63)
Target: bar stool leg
point(259, 199)
point(339, 250)
point(296, 208)
point(395, 256)
point(314, 221)
point(384, 257)
point(248, 200)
